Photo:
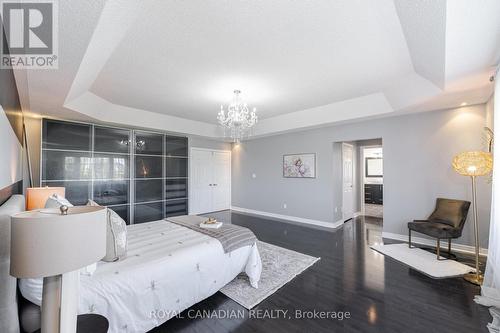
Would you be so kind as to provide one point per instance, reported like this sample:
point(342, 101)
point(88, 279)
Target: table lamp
point(36, 197)
point(474, 164)
point(55, 244)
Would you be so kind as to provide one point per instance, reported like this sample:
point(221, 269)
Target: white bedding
point(168, 268)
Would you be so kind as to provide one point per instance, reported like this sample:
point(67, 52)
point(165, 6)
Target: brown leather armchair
point(446, 222)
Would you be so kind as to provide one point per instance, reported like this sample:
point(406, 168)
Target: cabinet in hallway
point(374, 194)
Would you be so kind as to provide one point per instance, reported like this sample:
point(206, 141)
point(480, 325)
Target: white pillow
point(31, 289)
point(88, 270)
point(116, 235)
point(56, 201)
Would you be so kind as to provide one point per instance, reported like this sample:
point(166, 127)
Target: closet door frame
point(191, 177)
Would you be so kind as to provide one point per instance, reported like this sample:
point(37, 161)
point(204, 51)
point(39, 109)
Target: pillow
point(56, 201)
point(88, 270)
point(32, 289)
point(116, 235)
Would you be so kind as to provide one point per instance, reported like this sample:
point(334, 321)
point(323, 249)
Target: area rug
point(279, 266)
point(424, 261)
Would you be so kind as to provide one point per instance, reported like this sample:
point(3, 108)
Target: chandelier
point(238, 120)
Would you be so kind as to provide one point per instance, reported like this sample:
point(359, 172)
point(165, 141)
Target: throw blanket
point(231, 236)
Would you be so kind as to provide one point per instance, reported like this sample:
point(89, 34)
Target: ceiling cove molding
point(472, 41)
point(410, 91)
point(356, 108)
point(424, 27)
point(112, 27)
point(115, 20)
point(105, 111)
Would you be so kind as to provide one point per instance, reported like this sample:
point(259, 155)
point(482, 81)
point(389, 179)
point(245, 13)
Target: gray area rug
point(279, 266)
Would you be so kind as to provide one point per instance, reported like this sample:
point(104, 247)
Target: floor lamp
point(474, 164)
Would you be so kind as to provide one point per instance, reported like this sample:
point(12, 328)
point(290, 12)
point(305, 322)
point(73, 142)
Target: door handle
point(214, 184)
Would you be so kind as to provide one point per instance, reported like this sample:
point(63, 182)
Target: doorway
point(372, 180)
point(358, 179)
point(210, 181)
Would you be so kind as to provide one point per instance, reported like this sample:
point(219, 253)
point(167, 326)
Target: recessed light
point(463, 104)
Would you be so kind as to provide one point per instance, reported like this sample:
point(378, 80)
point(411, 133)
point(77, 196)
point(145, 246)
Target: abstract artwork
point(299, 166)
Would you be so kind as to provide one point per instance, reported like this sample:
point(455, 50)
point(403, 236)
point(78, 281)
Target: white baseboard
point(324, 224)
point(429, 242)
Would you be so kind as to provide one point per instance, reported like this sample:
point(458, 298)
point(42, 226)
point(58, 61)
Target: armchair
point(446, 222)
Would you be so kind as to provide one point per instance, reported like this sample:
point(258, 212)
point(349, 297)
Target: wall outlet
point(284, 205)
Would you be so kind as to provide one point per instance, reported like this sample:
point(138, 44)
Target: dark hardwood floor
point(380, 294)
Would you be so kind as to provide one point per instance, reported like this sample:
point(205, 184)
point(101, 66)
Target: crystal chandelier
point(238, 120)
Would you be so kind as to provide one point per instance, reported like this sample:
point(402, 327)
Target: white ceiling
point(170, 64)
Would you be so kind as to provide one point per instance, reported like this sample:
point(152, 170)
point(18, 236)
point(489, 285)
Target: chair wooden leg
point(449, 248)
point(438, 248)
point(409, 238)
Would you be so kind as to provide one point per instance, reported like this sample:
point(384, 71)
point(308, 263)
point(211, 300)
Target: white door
point(347, 182)
point(210, 179)
point(200, 193)
point(221, 185)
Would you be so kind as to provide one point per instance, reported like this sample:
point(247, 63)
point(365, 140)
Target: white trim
point(190, 178)
point(356, 214)
point(324, 224)
point(429, 242)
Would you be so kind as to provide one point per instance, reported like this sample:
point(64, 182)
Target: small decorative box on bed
point(170, 265)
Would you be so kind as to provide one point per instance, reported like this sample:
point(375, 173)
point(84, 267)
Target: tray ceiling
point(171, 64)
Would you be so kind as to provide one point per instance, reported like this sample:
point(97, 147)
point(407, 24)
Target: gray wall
point(11, 125)
point(11, 172)
point(418, 150)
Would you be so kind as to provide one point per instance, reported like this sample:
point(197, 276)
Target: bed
point(168, 268)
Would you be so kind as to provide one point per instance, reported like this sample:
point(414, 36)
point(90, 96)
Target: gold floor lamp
point(474, 164)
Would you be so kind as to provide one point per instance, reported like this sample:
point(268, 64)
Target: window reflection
point(111, 167)
point(77, 166)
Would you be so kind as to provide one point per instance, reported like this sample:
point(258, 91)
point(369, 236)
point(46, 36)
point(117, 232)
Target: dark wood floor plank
point(381, 294)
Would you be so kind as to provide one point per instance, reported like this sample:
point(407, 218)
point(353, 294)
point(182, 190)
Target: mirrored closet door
point(141, 175)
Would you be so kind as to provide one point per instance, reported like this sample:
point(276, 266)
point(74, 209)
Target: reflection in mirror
point(111, 166)
point(374, 167)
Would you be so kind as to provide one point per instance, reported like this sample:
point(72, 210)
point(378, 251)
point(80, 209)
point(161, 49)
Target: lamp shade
point(36, 197)
point(473, 163)
point(46, 243)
